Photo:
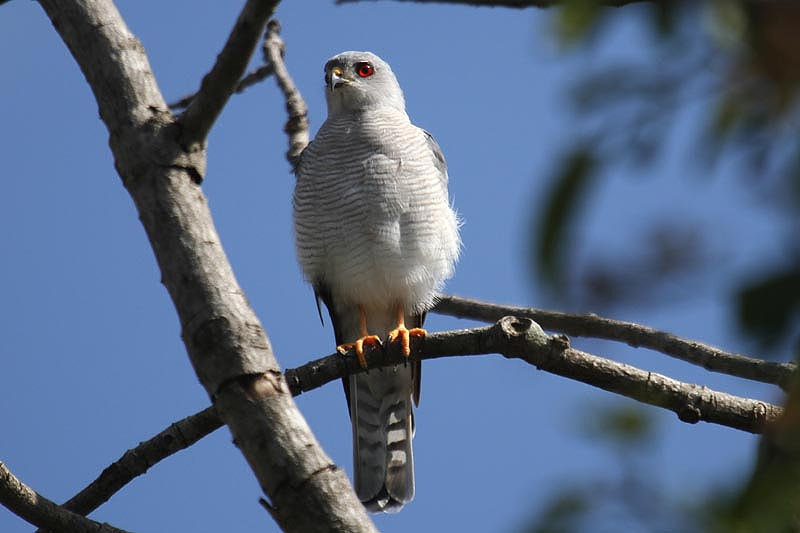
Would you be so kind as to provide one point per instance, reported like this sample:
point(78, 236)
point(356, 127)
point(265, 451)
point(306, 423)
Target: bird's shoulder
point(436, 151)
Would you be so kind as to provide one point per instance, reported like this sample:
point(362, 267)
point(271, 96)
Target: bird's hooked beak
point(336, 78)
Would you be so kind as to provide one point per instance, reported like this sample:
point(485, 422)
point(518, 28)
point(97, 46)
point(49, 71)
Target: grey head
point(355, 81)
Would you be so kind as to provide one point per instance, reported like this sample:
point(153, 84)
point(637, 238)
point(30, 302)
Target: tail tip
point(384, 502)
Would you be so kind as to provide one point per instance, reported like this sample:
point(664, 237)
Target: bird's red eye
point(364, 70)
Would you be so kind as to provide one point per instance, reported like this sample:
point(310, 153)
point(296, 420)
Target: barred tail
point(382, 419)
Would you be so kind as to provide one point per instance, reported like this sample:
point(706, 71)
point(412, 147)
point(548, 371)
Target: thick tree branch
point(228, 348)
point(590, 325)
point(297, 125)
point(220, 82)
point(39, 511)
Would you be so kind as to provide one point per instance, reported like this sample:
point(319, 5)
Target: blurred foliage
point(734, 67)
point(769, 307)
point(577, 19)
point(621, 425)
point(564, 513)
point(770, 501)
point(734, 63)
point(570, 187)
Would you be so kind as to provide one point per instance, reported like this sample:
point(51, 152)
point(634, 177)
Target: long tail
point(380, 403)
point(383, 426)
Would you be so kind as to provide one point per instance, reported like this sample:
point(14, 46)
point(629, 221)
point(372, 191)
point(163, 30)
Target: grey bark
point(522, 338)
point(40, 511)
point(636, 335)
point(138, 460)
point(297, 124)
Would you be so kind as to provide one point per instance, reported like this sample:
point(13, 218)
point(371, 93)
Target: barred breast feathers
point(371, 215)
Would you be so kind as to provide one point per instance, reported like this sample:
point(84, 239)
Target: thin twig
point(39, 511)
point(251, 78)
point(590, 325)
point(138, 460)
point(297, 125)
point(223, 78)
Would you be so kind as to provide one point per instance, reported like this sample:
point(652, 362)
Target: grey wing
point(438, 157)
point(299, 160)
point(322, 292)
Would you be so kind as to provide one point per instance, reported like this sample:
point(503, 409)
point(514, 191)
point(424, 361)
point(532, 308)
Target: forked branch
point(522, 338)
point(218, 85)
point(589, 325)
point(251, 78)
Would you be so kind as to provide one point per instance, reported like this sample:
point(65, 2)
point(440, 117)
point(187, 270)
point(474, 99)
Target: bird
point(376, 237)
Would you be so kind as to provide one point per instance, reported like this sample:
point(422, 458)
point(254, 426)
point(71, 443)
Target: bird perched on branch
point(376, 238)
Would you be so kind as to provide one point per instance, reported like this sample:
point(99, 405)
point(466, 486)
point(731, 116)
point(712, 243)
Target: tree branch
point(515, 338)
point(39, 511)
point(522, 338)
point(138, 460)
point(251, 78)
point(518, 4)
point(590, 325)
point(228, 348)
point(297, 125)
point(223, 78)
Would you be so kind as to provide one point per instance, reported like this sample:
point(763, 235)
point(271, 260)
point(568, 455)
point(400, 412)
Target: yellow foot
point(405, 337)
point(369, 340)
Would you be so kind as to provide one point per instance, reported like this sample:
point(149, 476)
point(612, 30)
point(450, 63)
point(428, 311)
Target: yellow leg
point(365, 339)
point(403, 333)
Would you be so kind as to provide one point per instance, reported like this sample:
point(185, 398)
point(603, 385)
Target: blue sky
point(91, 359)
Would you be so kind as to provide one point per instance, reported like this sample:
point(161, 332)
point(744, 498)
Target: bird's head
point(359, 80)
